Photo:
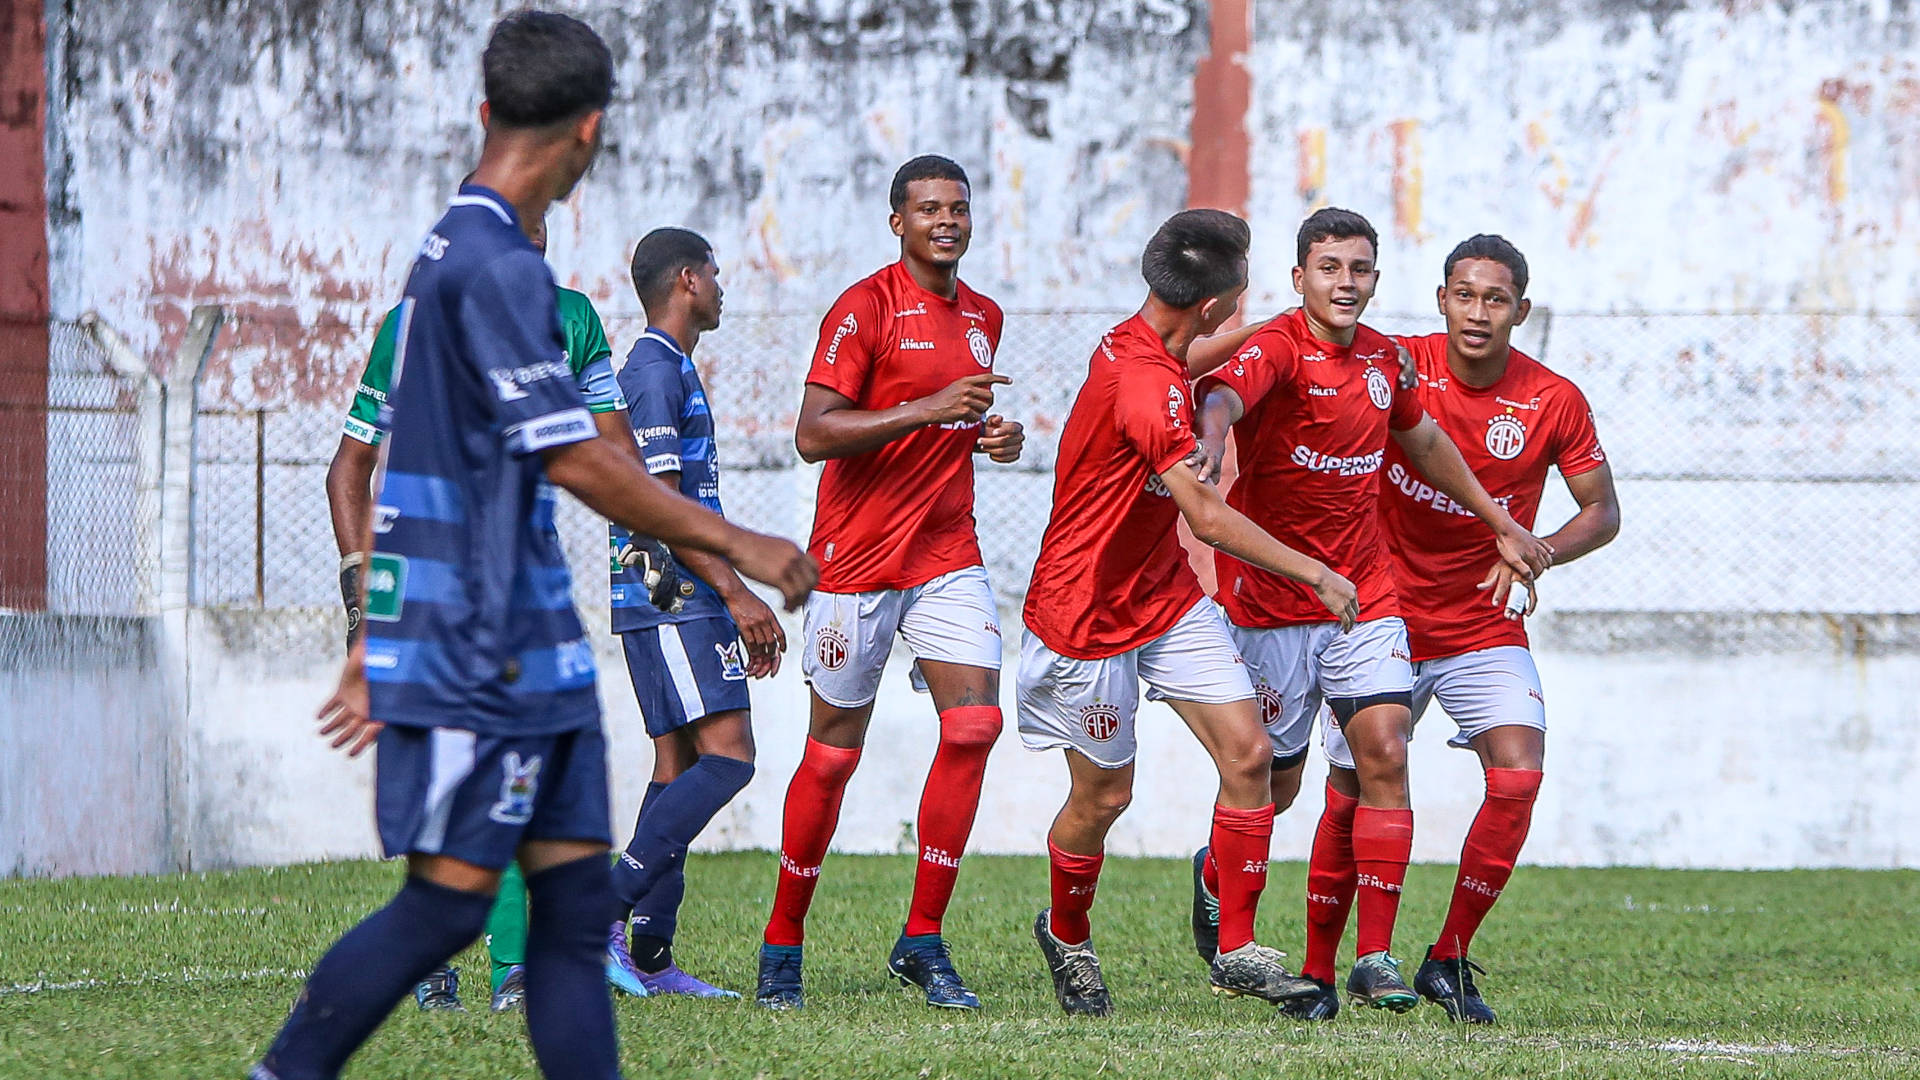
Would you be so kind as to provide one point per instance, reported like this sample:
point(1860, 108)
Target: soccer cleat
point(1077, 984)
point(1206, 911)
point(925, 961)
point(779, 986)
point(1449, 984)
point(621, 974)
point(1375, 981)
point(671, 980)
point(439, 991)
point(1323, 1004)
point(1255, 970)
point(511, 994)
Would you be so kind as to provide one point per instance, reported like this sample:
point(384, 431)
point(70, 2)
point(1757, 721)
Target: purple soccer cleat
point(672, 980)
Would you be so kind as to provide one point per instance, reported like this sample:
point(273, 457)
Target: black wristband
point(350, 596)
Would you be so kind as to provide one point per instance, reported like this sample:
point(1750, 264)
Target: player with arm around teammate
point(1512, 419)
point(1114, 601)
point(475, 677)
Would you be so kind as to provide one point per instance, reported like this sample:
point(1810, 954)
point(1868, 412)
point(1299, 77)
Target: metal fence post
point(150, 451)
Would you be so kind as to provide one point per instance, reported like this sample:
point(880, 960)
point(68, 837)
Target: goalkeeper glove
point(667, 588)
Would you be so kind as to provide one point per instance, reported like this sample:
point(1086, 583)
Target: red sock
point(1486, 862)
point(1241, 839)
point(1210, 874)
point(813, 809)
point(947, 806)
point(1330, 884)
point(1075, 877)
point(1382, 844)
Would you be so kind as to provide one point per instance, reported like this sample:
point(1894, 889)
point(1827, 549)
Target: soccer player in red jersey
point(897, 404)
point(1512, 419)
point(1114, 601)
point(1313, 404)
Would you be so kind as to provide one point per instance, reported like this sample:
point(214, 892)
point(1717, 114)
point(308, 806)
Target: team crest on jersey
point(519, 780)
point(830, 646)
point(1506, 437)
point(1269, 704)
point(1100, 722)
point(1379, 390)
point(732, 667)
point(982, 348)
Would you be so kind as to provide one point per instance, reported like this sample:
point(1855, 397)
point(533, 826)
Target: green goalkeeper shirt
point(588, 355)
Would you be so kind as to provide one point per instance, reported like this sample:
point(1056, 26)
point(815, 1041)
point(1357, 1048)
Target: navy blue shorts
point(684, 671)
point(445, 791)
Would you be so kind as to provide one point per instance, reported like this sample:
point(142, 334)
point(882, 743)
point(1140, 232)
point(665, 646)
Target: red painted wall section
point(24, 304)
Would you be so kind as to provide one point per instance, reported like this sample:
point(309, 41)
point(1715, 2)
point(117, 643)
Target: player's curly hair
point(1332, 223)
point(1194, 255)
point(924, 167)
point(541, 68)
point(1497, 248)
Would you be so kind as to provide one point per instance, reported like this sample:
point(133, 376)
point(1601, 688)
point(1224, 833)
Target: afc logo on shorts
point(981, 348)
point(1379, 390)
point(830, 646)
point(1100, 722)
point(1269, 704)
point(1506, 437)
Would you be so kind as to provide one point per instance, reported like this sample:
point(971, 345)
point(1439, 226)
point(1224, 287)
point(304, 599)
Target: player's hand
point(1340, 597)
point(776, 562)
point(1213, 456)
point(1409, 371)
point(1501, 580)
point(345, 715)
point(1001, 439)
point(350, 592)
point(760, 632)
point(965, 401)
point(1526, 554)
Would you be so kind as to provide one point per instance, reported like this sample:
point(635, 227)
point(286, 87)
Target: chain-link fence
point(1765, 468)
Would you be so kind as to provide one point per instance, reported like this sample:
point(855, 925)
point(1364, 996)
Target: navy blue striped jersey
point(470, 620)
point(668, 408)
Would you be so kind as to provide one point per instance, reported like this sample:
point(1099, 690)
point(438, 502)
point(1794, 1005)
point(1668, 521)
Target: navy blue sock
point(622, 867)
point(659, 845)
point(366, 973)
point(569, 1015)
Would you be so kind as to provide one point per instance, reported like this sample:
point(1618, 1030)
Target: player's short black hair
point(1196, 254)
point(1332, 223)
point(924, 167)
point(1497, 248)
point(542, 67)
point(660, 256)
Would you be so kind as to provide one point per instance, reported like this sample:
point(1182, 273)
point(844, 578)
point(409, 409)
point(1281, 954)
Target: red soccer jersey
point(1112, 575)
point(1509, 433)
point(901, 515)
point(1310, 443)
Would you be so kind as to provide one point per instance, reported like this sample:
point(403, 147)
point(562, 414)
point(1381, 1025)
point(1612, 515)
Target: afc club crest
point(518, 781)
point(981, 347)
point(831, 646)
point(1506, 437)
point(1100, 722)
point(1269, 704)
point(1379, 390)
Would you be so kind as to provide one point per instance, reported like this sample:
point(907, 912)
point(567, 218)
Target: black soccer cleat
point(440, 991)
point(1077, 984)
point(1322, 1004)
point(779, 985)
point(1375, 981)
point(925, 962)
point(1449, 984)
point(1206, 911)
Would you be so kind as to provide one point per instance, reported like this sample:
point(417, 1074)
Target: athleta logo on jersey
point(1314, 461)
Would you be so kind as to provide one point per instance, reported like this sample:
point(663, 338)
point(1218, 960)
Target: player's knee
point(971, 725)
point(573, 895)
point(730, 773)
point(1518, 784)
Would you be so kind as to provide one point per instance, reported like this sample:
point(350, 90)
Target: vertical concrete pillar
point(1217, 168)
point(24, 304)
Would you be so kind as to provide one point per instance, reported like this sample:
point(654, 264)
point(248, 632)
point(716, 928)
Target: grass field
point(1597, 973)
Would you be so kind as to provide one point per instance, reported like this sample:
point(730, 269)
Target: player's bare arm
point(831, 425)
point(1218, 525)
point(1207, 353)
point(614, 485)
point(759, 628)
point(1218, 412)
point(1594, 526)
point(1430, 451)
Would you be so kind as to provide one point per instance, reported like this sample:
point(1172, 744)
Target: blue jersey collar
point(476, 195)
point(664, 338)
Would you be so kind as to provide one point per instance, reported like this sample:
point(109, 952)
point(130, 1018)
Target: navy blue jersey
point(668, 408)
point(470, 620)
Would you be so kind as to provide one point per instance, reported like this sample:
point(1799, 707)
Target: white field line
point(155, 907)
point(190, 976)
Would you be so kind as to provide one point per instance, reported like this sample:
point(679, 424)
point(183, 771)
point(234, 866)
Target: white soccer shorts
point(1295, 668)
point(1089, 705)
point(950, 619)
point(1480, 691)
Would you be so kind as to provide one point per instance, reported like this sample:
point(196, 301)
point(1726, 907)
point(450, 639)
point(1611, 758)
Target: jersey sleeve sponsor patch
point(554, 429)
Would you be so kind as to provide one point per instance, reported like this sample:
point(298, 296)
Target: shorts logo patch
point(831, 647)
point(732, 667)
point(1379, 390)
point(1269, 704)
point(1100, 722)
point(519, 780)
point(1535, 695)
point(1506, 437)
point(981, 348)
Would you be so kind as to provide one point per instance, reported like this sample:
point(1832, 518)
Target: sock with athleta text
point(1075, 877)
point(812, 812)
point(1382, 844)
point(1240, 842)
point(1330, 885)
point(1486, 862)
point(947, 808)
